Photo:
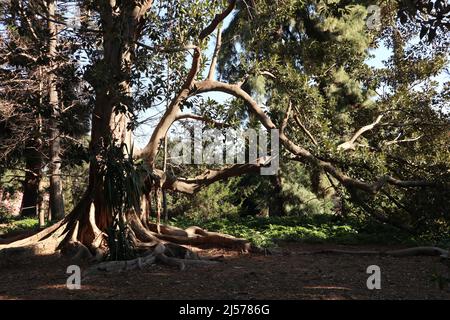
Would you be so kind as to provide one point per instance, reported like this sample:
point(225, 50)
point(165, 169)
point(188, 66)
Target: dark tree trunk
point(33, 164)
point(320, 186)
point(277, 204)
point(56, 195)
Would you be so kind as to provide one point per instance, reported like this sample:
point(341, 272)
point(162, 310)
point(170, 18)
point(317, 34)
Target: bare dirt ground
point(285, 275)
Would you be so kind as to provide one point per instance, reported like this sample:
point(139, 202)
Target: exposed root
point(25, 248)
point(79, 237)
point(83, 253)
point(182, 263)
point(196, 236)
point(140, 231)
point(119, 266)
point(34, 238)
point(160, 253)
point(416, 251)
point(17, 235)
point(420, 251)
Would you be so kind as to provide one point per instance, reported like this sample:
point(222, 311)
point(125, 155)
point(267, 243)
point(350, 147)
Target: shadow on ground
point(286, 275)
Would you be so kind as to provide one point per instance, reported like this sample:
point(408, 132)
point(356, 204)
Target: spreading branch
point(212, 67)
point(396, 140)
point(302, 154)
point(161, 49)
point(192, 87)
point(302, 126)
point(218, 18)
point(150, 151)
point(193, 185)
point(215, 123)
point(350, 145)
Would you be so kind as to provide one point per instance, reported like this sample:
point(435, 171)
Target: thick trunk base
point(80, 236)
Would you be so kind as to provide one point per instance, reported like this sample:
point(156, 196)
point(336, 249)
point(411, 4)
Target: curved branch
point(302, 126)
point(200, 118)
point(166, 50)
point(351, 143)
point(218, 18)
point(300, 153)
point(287, 115)
point(193, 185)
point(151, 149)
point(395, 141)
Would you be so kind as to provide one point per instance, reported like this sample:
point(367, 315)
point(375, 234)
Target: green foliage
point(75, 182)
point(215, 201)
point(318, 52)
point(299, 199)
point(13, 224)
point(119, 244)
point(122, 185)
point(122, 182)
point(316, 55)
point(267, 231)
point(10, 181)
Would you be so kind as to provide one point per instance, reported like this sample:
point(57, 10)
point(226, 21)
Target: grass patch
point(18, 225)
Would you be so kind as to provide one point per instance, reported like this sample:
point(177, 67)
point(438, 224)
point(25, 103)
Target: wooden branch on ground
point(416, 251)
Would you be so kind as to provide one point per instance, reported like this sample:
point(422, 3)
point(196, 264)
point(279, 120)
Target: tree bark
point(277, 204)
point(33, 165)
point(56, 195)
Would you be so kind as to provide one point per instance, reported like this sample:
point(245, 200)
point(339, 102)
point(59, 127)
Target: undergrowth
point(267, 231)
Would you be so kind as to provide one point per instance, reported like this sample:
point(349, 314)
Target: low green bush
point(267, 231)
point(18, 224)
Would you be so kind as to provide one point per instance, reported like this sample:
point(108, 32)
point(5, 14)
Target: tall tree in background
point(32, 76)
point(56, 196)
point(22, 99)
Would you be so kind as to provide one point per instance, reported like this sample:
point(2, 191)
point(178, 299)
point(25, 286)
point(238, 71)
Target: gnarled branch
point(350, 145)
point(300, 153)
point(215, 123)
point(193, 185)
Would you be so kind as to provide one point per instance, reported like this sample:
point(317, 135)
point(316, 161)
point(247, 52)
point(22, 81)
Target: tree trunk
point(277, 204)
point(56, 195)
point(33, 165)
point(41, 212)
point(164, 193)
point(84, 230)
point(320, 186)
